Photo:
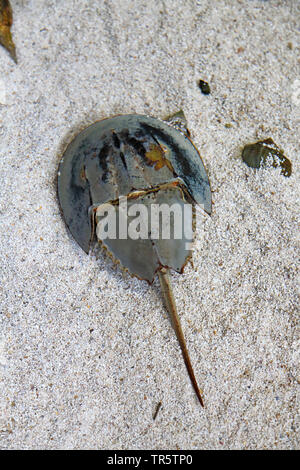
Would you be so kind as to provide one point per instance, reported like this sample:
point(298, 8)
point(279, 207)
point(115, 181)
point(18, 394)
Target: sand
point(86, 353)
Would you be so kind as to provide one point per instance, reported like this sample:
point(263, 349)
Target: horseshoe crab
point(144, 162)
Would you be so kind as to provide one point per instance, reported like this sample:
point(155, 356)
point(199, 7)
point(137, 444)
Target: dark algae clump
point(204, 87)
point(264, 154)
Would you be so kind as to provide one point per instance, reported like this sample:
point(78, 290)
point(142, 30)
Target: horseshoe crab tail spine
point(171, 307)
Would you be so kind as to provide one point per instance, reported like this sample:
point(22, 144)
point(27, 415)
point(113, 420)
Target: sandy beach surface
point(86, 352)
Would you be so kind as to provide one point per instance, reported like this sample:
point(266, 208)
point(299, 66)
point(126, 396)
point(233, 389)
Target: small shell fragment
point(265, 153)
point(178, 120)
point(6, 20)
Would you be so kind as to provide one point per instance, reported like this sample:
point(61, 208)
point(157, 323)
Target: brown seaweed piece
point(265, 153)
point(6, 20)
